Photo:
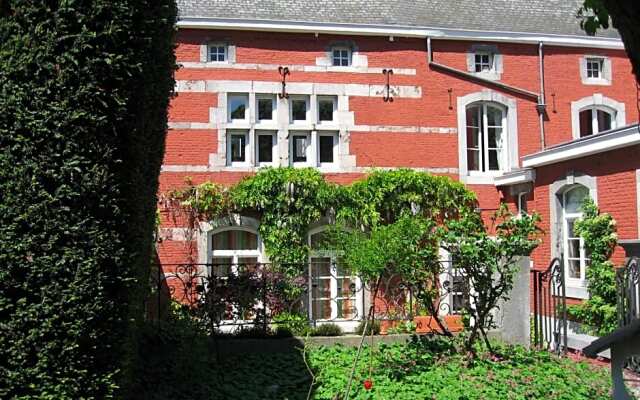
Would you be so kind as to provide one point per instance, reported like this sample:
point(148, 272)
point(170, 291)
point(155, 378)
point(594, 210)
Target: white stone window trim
point(597, 100)
point(574, 289)
point(357, 61)
point(495, 59)
point(247, 148)
point(605, 71)
point(360, 290)
point(329, 166)
point(510, 146)
point(308, 113)
point(230, 52)
point(274, 109)
point(274, 149)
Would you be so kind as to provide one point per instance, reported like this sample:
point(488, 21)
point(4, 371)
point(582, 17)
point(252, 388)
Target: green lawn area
point(422, 369)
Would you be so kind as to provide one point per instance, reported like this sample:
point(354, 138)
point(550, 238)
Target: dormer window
point(217, 52)
point(483, 62)
point(341, 56)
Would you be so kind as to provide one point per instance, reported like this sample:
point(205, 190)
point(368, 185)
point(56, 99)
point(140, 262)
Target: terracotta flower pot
point(454, 323)
point(385, 325)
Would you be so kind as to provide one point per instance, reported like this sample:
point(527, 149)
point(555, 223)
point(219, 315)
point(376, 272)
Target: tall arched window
point(336, 294)
point(486, 126)
point(596, 119)
point(575, 255)
point(231, 248)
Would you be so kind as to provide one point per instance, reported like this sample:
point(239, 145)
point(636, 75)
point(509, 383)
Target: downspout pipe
point(542, 106)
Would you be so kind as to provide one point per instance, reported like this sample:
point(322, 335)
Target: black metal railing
point(229, 297)
point(628, 292)
point(550, 308)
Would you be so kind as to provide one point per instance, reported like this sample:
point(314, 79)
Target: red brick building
point(509, 97)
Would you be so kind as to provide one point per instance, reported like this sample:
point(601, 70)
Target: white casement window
point(596, 119)
point(327, 107)
point(237, 148)
point(300, 148)
point(299, 109)
point(327, 149)
point(594, 67)
point(232, 249)
point(238, 107)
point(265, 108)
point(341, 56)
point(484, 61)
point(336, 294)
point(217, 52)
point(574, 253)
point(522, 203)
point(486, 147)
point(266, 148)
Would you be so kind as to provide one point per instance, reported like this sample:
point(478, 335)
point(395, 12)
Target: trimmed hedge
point(84, 89)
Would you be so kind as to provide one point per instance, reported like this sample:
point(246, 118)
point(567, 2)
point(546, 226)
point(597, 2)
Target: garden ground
point(181, 366)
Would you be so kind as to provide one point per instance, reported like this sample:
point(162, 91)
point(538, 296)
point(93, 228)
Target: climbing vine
point(599, 233)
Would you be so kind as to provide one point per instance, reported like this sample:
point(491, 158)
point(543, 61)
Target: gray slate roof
point(527, 16)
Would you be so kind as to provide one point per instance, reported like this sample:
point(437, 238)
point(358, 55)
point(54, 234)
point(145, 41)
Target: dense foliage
point(598, 230)
point(84, 89)
point(186, 367)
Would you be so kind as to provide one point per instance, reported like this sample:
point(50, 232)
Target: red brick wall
point(422, 150)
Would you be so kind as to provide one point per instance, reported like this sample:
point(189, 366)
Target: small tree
point(488, 262)
point(599, 234)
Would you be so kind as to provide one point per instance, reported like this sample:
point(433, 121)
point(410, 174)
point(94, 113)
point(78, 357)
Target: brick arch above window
point(509, 105)
point(597, 101)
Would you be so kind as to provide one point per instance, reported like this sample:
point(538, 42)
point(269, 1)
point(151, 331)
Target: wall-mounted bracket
point(283, 71)
point(387, 88)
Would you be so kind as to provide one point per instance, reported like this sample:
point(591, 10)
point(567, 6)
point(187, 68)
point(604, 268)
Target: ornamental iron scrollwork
point(550, 308)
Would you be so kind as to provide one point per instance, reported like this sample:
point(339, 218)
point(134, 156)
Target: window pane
point(495, 138)
point(473, 160)
point(604, 121)
point(347, 308)
point(473, 116)
point(494, 116)
point(574, 269)
point(573, 248)
point(265, 148)
point(322, 309)
point(238, 143)
point(299, 110)
point(326, 149)
point(346, 287)
point(494, 160)
point(321, 267)
point(299, 149)
point(265, 109)
point(586, 127)
point(235, 240)
point(321, 288)
point(574, 197)
point(221, 266)
point(325, 110)
point(237, 107)
point(217, 53)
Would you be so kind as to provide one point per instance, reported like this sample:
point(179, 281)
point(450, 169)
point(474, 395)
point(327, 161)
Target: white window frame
point(340, 57)
point(274, 148)
point(334, 100)
point(583, 259)
point(617, 109)
point(484, 148)
point(491, 64)
point(218, 45)
point(333, 278)
point(245, 96)
point(274, 110)
point(603, 67)
point(597, 61)
point(309, 149)
point(335, 137)
point(594, 117)
point(233, 254)
point(247, 148)
point(307, 119)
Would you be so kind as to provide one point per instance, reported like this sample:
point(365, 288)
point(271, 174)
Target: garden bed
point(178, 367)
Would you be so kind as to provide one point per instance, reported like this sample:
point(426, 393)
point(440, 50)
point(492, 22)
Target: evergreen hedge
point(84, 89)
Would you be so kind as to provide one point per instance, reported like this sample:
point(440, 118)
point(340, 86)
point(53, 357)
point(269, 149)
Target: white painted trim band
point(346, 170)
point(615, 139)
point(295, 68)
point(515, 178)
point(400, 31)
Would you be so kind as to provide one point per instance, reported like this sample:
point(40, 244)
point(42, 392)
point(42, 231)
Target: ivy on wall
point(599, 233)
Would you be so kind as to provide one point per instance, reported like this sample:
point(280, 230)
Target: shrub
point(84, 90)
point(375, 326)
point(328, 329)
point(295, 323)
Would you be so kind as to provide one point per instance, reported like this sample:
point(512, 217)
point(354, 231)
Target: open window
point(575, 255)
point(485, 134)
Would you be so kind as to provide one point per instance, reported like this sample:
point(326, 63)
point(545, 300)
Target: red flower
point(368, 384)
